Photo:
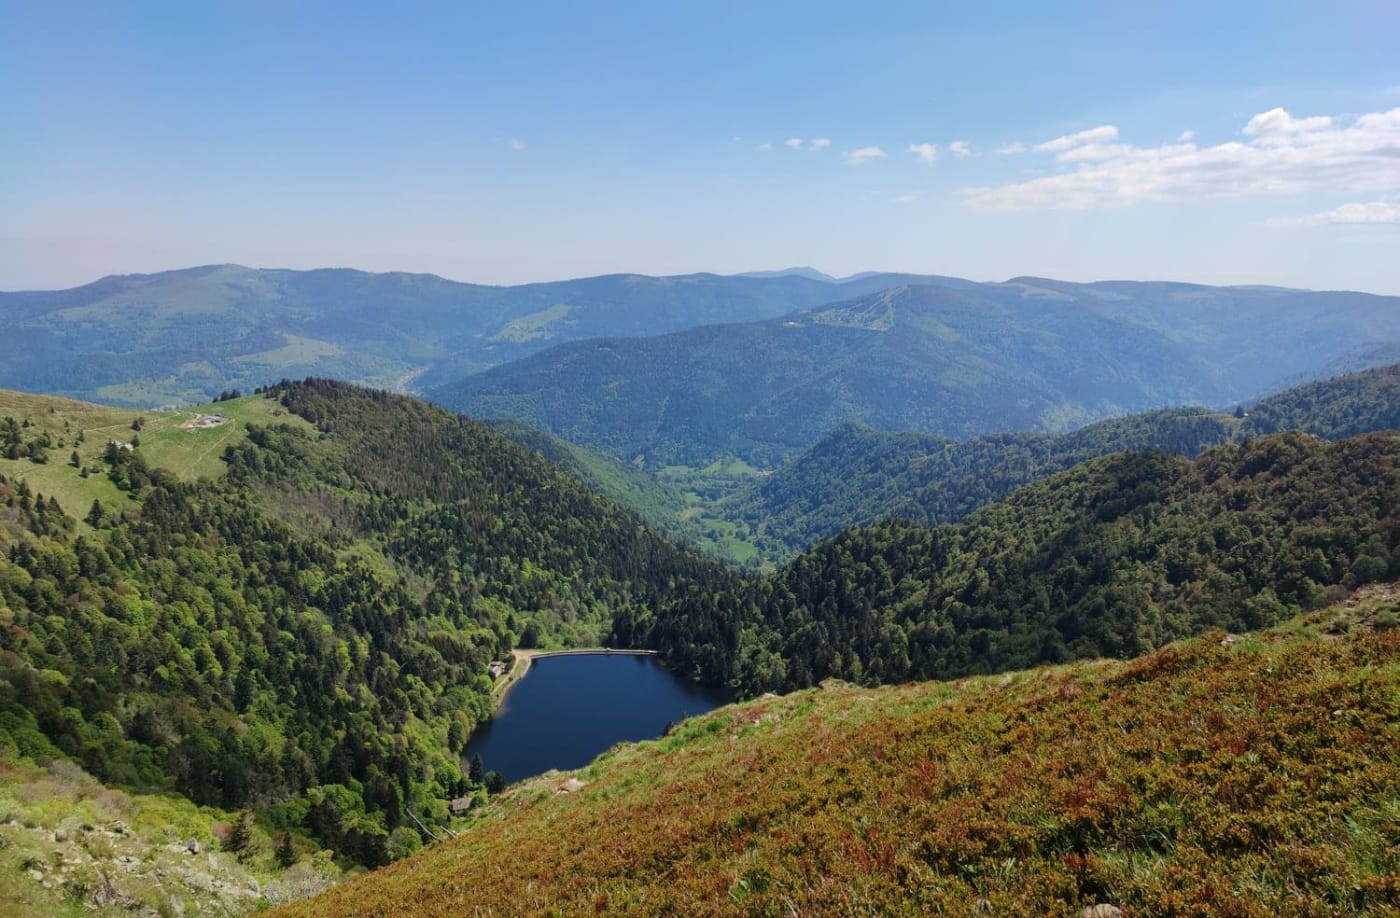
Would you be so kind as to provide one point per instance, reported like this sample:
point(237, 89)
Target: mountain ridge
point(950, 361)
point(1111, 557)
point(365, 327)
point(131, 339)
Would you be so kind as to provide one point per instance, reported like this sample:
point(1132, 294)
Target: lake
point(567, 710)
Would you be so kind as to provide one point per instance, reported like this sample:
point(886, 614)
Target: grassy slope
point(190, 453)
point(70, 846)
point(1257, 777)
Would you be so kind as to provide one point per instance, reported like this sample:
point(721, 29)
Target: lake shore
point(524, 659)
point(575, 708)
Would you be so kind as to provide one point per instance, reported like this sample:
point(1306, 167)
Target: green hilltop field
point(172, 440)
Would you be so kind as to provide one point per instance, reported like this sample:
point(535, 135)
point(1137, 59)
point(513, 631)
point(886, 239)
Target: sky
point(1235, 142)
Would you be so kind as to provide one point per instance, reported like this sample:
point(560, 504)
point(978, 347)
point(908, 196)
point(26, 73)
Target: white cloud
point(517, 144)
point(1092, 135)
point(1281, 155)
point(1186, 136)
point(1276, 122)
point(960, 148)
point(1011, 149)
point(821, 143)
point(794, 142)
point(927, 152)
point(907, 198)
point(1370, 212)
point(863, 155)
point(764, 147)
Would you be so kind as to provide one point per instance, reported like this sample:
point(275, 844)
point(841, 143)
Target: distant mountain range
point(184, 336)
point(946, 357)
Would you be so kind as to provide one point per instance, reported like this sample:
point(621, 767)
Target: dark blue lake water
point(569, 709)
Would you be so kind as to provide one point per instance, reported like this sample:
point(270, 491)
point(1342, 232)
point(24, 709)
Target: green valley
point(424, 491)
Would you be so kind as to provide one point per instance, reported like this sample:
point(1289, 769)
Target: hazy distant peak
point(803, 271)
point(196, 271)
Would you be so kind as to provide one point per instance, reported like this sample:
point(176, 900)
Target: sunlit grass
point(171, 440)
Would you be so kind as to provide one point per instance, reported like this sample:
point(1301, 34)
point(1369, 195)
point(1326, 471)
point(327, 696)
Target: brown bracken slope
point(1220, 776)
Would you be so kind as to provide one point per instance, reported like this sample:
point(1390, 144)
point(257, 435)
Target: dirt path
point(517, 672)
point(222, 441)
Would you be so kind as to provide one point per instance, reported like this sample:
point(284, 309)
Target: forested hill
point(1027, 355)
point(647, 495)
point(305, 634)
point(857, 475)
point(1333, 408)
point(301, 628)
point(1111, 558)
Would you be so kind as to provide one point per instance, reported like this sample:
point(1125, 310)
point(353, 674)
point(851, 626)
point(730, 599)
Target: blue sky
point(1212, 142)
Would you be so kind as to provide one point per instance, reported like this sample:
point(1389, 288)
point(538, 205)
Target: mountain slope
point(857, 475)
point(1110, 558)
point(645, 495)
point(1252, 779)
point(956, 362)
point(1340, 407)
point(305, 632)
point(73, 846)
point(184, 336)
point(926, 358)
